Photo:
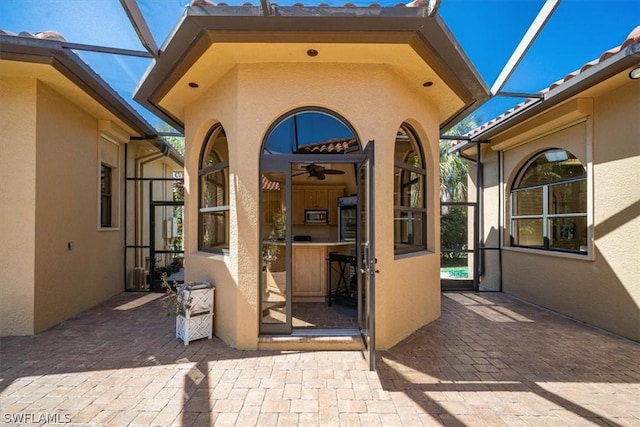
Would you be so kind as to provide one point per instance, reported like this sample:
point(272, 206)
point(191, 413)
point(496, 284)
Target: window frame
point(222, 165)
point(399, 209)
point(106, 196)
point(546, 216)
point(110, 156)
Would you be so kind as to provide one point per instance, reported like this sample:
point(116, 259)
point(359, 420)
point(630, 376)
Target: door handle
point(369, 267)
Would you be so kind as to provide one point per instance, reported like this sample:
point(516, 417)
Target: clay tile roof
point(269, 185)
point(43, 35)
point(633, 37)
point(414, 3)
point(50, 35)
point(331, 146)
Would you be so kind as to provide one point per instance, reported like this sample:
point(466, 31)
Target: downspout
point(124, 220)
point(501, 229)
point(476, 220)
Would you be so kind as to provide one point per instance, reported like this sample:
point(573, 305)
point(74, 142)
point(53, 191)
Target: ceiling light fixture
point(312, 52)
point(193, 85)
point(635, 73)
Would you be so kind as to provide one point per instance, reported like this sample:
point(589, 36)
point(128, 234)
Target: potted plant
point(192, 305)
point(280, 221)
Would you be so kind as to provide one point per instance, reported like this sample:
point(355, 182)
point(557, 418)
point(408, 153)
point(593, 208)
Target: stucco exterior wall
point(68, 281)
point(602, 288)
point(246, 102)
point(17, 210)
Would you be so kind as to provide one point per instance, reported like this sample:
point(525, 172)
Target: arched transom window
point(549, 203)
point(214, 193)
point(409, 193)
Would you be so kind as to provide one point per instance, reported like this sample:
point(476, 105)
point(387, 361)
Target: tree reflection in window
point(549, 203)
point(409, 185)
point(214, 193)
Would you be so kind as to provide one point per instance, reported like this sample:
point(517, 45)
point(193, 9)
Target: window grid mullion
point(545, 216)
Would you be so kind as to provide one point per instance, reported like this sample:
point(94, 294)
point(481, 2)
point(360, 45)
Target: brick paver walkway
point(488, 361)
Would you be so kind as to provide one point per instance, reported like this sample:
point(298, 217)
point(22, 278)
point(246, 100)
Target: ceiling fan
point(319, 171)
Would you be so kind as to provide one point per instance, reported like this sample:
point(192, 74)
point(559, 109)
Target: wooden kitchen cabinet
point(315, 198)
point(271, 204)
point(309, 271)
point(322, 197)
point(297, 206)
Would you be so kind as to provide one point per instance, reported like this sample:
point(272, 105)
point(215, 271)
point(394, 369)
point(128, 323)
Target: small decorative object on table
point(192, 304)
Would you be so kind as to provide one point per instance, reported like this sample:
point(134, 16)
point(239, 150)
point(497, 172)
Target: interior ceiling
point(221, 57)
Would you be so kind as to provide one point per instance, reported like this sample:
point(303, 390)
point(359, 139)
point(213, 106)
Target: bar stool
point(341, 264)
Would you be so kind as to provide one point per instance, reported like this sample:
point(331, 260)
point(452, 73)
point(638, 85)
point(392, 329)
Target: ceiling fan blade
point(333, 171)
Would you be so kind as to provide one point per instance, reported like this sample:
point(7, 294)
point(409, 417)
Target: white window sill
point(557, 254)
point(405, 255)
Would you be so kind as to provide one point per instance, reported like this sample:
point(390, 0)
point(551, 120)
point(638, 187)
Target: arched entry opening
point(307, 217)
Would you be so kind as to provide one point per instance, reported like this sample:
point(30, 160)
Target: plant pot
point(197, 300)
point(194, 328)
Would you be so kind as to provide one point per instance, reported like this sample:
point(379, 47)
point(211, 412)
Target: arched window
point(310, 131)
point(549, 203)
point(409, 193)
point(214, 193)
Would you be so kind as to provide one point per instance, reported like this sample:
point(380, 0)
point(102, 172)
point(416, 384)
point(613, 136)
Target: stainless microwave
point(316, 216)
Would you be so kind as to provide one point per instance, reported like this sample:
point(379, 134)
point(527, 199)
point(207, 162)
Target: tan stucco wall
point(247, 101)
point(69, 281)
point(17, 210)
point(50, 170)
point(603, 288)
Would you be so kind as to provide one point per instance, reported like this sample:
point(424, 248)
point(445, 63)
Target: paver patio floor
point(489, 360)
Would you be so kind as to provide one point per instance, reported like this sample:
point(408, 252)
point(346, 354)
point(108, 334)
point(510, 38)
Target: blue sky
point(487, 30)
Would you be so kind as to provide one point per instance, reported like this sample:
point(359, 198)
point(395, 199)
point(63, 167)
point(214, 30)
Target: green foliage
point(453, 169)
point(453, 233)
point(175, 302)
point(280, 221)
point(176, 142)
point(454, 188)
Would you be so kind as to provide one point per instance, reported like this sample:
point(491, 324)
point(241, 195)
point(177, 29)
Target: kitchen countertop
point(312, 243)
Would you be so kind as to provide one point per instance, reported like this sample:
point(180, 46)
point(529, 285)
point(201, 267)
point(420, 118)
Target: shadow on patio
point(489, 360)
point(512, 363)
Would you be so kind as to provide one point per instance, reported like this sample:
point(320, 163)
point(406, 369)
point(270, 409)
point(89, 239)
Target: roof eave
point(428, 34)
point(24, 49)
point(596, 74)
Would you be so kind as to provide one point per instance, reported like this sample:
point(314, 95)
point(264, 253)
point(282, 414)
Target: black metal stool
point(340, 263)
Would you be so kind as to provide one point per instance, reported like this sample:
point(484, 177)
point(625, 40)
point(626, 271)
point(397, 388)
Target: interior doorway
point(308, 280)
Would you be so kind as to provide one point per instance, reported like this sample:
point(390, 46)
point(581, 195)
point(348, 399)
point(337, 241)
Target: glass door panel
point(366, 256)
point(457, 246)
point(275, 274)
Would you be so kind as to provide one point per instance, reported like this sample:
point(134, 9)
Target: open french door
point(275, 274)
point(366, 255)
